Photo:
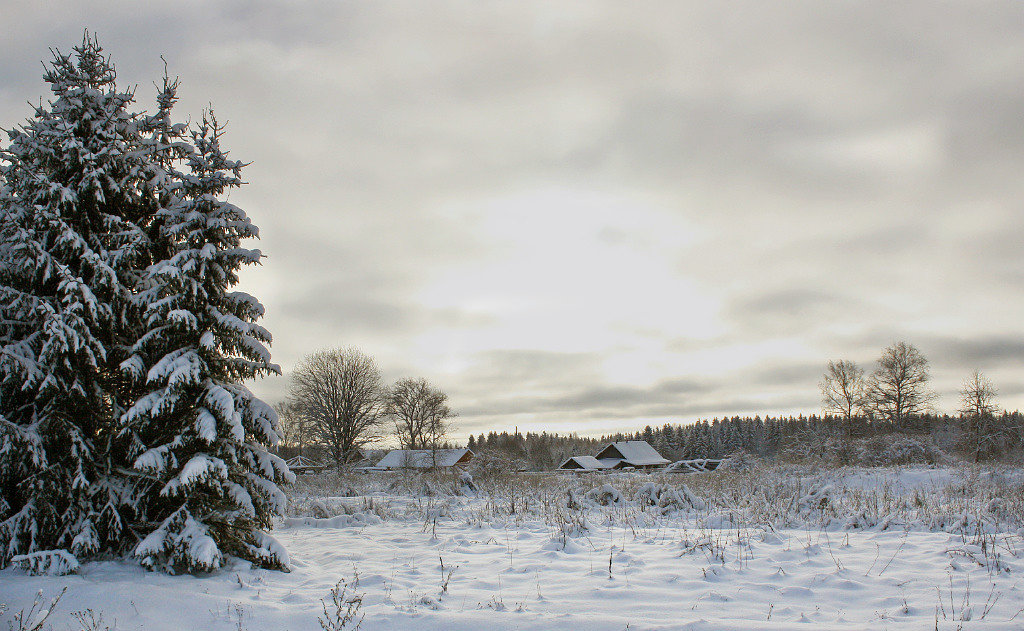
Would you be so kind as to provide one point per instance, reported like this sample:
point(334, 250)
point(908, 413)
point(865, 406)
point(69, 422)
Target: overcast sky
point(592, 216)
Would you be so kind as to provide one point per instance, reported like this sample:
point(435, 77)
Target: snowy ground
point(440, 564)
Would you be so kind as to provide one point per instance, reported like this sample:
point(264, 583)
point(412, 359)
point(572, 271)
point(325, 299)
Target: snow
point(511, 578)
point(421, 458)
point(199, 467)
point(656, 557)
point(190, 541)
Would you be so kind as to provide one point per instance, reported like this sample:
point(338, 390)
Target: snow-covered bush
point(665, 498)
point(47, 562)
point(738, 461)
point(874, 451)
point(604, 495)
point(490, 464)
point(817, 499)
point(466, 484)
point(899, 449)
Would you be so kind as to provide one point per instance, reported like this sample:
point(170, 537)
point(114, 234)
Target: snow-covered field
point(546, 554)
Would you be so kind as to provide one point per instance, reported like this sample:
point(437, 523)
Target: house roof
point(638, 453)
point(423, 458)
point(302, 461)
point(588, 462)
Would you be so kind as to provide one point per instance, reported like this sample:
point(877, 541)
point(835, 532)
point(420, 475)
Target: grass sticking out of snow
point(769, 547)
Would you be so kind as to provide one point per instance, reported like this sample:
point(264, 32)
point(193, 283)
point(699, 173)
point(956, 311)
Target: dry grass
point(974, 503)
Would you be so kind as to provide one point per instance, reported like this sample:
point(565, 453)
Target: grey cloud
point(349, 315)
point(1012, 390)
point(829, 153)
point(751, 406)
point(966, 352)
point(621, 398)
point(795, 377)
point(581, 393)
point(679, 385)
point(985, 124)
point(704, 135)
point(982, 352)
point(524, 371)
point(603, 403)
point(272, 389)
point(786, 310)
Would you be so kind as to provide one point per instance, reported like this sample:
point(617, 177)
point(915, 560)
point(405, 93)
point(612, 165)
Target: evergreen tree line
point(785, 436)
point(124, 424)
point(893, 399)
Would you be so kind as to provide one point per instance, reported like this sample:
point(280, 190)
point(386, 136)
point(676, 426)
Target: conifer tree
point(199, 434)
point(74, 192)
point(122, 349)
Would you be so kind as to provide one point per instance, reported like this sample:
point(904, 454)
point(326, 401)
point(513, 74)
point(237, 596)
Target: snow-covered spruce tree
point(198, 433)
point(121, 348)
point(74, 196)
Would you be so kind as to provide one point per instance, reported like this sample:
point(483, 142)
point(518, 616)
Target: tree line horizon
point(893, 399)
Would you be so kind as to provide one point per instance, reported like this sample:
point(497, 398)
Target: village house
point(586, 463)
point(424, 459)
point(637, 454)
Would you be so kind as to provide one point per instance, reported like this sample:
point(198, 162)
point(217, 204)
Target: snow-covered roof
point(587, 463)
point(301, 464)
point(424, 458)
point(302, 461)
point(638, 453)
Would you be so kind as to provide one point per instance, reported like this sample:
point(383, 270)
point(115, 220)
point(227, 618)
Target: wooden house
point(636, 454)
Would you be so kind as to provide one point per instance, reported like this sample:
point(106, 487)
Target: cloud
point(788, 311)
point(604, 212)
point(565, 389)
point(540, 382)
point(984, 352)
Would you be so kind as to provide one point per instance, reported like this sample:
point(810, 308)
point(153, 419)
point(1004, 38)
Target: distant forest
point(884, 417)
point(924, 439)
point(858, 440)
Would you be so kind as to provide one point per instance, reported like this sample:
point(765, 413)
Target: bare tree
point(843, 390)
point(420, 413)
point(898, 389)
point(977, 409)
point(293, 425)
point(341, 394)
